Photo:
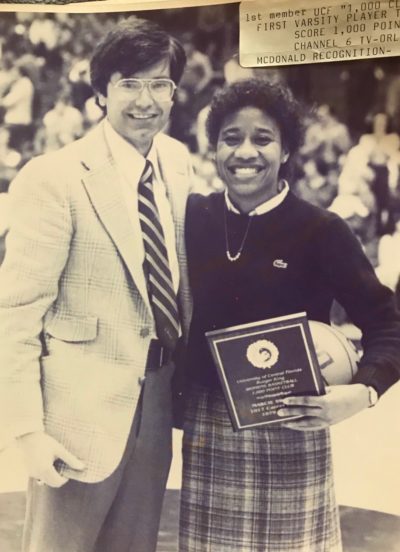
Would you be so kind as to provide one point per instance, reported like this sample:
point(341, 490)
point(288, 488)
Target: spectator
point(381, 147)
point(199, 72)
point(351, 209)
point(62, 124)
point(379, 139)
point(10, 160)
point(7, 75)
point(18, 104)
point(318, 185)
point(79, 78)
point(388, 269)
point(356, 176)
point(194, 94)
point(326, 133)
point(43, 34)
point(212, 33)
point(392, 107)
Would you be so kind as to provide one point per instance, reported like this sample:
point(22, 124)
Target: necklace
point(230, 257)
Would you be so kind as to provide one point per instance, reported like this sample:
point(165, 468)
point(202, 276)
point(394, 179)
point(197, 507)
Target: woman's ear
point(284, 157)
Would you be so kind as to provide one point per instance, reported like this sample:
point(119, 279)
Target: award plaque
point(261, 363)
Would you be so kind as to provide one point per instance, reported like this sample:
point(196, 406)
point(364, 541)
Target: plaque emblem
point(262, 354)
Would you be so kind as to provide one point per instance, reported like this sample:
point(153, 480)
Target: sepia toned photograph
point(153, 192)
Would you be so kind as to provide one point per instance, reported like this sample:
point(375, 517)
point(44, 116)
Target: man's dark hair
point(275, 100)
point(133, 45)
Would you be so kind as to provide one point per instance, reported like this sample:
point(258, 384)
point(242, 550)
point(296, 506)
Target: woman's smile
point(244, 171)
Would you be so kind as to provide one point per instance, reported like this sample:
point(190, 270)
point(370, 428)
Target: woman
point(255, 252)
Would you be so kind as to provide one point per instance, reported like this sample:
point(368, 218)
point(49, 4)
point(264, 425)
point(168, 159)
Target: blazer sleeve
point(369, 304)
point(37, 247)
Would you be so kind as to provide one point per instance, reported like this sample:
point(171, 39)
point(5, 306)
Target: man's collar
point(126, 155)
point(264, 207)
point(118, 145)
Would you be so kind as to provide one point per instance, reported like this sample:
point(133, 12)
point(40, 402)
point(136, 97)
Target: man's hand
point(339, 403)
point(40, 451)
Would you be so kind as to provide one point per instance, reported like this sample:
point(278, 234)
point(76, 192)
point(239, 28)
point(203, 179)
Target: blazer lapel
point(102, 185)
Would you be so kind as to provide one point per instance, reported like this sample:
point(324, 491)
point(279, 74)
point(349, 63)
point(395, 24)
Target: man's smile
point(142, 116)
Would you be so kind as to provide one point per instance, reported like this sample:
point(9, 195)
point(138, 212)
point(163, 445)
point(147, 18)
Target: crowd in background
point(350, 160)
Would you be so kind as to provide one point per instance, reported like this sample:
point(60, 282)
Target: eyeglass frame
point(145, 83)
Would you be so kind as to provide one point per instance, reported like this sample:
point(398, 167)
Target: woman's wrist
point(368, 395)
point(372, 396)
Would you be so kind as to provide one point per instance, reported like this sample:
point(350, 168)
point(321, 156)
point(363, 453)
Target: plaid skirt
point(258, 490)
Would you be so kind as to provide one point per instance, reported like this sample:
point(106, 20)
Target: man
point(90, 290)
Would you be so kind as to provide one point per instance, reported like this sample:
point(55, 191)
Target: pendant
point(230, 257)
point(233, 258)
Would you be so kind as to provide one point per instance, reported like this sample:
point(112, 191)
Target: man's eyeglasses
point(160, 90)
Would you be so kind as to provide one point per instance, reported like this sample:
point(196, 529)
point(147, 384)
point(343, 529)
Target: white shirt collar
point(127, 157)
point(263, 207)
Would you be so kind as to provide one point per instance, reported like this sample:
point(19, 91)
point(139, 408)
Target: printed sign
point(282, 33)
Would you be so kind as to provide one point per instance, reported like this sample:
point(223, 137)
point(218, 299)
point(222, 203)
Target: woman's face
point(249, 156)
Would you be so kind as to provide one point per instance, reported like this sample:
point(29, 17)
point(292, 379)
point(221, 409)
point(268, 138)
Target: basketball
point(337, 356)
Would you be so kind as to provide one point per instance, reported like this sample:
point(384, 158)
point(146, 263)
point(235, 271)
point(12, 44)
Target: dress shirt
point(130, 165)
point(263, 207)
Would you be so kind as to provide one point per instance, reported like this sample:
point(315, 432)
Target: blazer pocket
point(73, 329)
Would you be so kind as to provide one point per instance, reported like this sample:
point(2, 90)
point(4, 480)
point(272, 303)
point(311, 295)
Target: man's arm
point(37, 248)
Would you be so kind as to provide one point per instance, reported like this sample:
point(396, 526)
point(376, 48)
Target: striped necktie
point(159, 278)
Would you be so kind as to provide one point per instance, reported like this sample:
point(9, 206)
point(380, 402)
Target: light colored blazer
point(72, 275)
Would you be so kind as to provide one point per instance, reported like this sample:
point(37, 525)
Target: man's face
point(137, 119)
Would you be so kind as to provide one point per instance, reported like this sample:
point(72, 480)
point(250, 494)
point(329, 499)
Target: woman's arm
point(371, 306)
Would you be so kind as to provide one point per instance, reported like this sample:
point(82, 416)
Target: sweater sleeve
point(370, 305)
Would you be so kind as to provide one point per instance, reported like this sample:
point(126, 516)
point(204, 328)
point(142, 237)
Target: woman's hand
point(339, 403)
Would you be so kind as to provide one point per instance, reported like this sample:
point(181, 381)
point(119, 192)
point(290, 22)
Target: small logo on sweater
point(279, 263)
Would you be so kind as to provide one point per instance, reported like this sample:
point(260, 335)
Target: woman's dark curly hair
point(275, 100)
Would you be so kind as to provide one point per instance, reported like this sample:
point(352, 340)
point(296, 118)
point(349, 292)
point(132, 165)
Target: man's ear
point(101, 103)
point(101, 100)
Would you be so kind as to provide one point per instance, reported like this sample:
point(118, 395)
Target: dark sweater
point(324, 261)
